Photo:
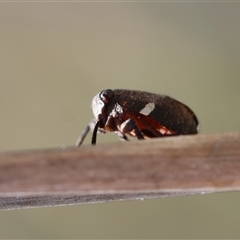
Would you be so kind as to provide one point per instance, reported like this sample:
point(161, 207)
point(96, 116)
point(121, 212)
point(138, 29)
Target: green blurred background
point(54, 57)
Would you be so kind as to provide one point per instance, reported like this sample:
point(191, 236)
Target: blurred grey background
point(54, 57)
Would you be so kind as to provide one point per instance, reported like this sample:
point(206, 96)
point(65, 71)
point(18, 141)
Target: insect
point(139, 114)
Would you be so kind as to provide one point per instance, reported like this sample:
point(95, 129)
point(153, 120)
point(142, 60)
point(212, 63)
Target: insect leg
point(91, 125)
point(122, 136)
point(82, 136)
point(95, 130)
point(130, 125)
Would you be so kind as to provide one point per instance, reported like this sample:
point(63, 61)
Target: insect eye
point(106, 95)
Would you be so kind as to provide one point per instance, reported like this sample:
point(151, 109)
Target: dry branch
point(162, 167)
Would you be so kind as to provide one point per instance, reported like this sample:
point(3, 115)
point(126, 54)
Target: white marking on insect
point(148, 109)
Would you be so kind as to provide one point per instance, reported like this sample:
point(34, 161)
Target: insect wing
point(164, 110)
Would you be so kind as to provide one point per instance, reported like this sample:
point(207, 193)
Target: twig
point(162, 167)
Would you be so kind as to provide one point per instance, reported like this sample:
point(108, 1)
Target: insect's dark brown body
point(141, 114)
point(168, 112)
